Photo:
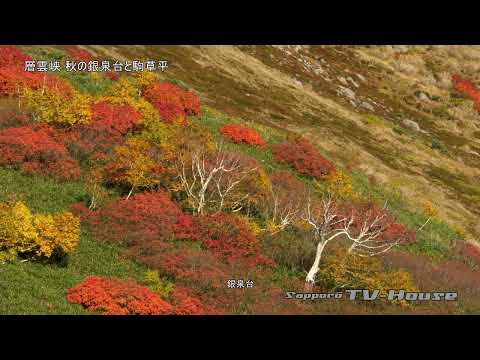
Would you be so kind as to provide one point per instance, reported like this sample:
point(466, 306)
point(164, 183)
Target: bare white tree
point(281, 210)
point(363, 230)
point(211, 180)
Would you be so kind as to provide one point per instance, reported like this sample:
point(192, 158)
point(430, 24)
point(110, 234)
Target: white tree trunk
point(130, 193)
point(310, 279)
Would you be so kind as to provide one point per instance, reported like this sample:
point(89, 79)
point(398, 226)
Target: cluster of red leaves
point(34, 150)
point(13, 118)
point(303, 157)
point(115, 120)
point(172, 102)
point(228, 237)
point(78, 54)
point(114, 76)
point(284, 182)
point(184, 304)
point(142, 222)
point(471, 252)
point(13, 75)
point(467, 88)
point(107, 128)
point(117, 297)
point(242, 134)
point(125, 297)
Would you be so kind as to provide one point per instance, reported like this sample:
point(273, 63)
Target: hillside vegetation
point(147, 193)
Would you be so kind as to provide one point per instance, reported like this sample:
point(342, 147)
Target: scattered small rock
point(367, 106)
point(297, 83)
point(422, 96)
point(411, 124)
point(352, 82)
point(342, 80)
point(346, 92)
point(361, 77)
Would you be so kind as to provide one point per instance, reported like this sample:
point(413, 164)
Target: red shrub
point(113, 119)
point(171, 101)
point(242, 134)
point(284, 182)
point(112, 75)
point(117, 297)
point(467, 88)
point(228, 237)
point(33, 149)
point(303, 157)
point(11, 55)
point(187, 305)
point(471, 252)
point(13, 75)
point(170, 112)
point(107, 128)
point(78, 54)
point(191, 103)
point(141, 221)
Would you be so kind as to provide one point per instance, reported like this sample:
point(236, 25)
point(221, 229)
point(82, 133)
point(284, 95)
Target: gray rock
point(367, 106)
point(352, 81)
point(411, 124)
point(423, 97)
point(361, 77)
point(342, 80)
point(346, 92)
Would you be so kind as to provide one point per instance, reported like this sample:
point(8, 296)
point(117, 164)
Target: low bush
point(34, 150)
point(242, 134)
point(303, 157)
point(37, 235)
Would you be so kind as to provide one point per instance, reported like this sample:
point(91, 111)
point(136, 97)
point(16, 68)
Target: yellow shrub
point(53, 107)
point(341, 269)
point(126, 92)
point(251, 224)
point(156, 284)
point(429, 209)
point(17, 229)
point(59, 232)
point(339, 184)
point(38, 235)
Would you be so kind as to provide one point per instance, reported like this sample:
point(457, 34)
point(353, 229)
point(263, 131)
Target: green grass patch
point(35, 288)
point(436, 239)
point(373, 120)
point(40, 194)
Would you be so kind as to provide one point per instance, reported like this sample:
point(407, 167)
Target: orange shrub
point(242, 134)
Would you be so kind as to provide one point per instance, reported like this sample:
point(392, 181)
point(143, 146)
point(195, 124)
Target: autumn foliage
point(57, 107)
point(471, 252)
point(113, 296)
point(229, 237)
point(34, 150)
point(172, 102)
point(37, 235)
point(117, 297)
point(341, 270)
point(78, 54)
point(114, 119)
point(242, 134)
point(367, 212)
point(303, 157)
point(465, 87)
point(141, 221)
point(14, 78)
